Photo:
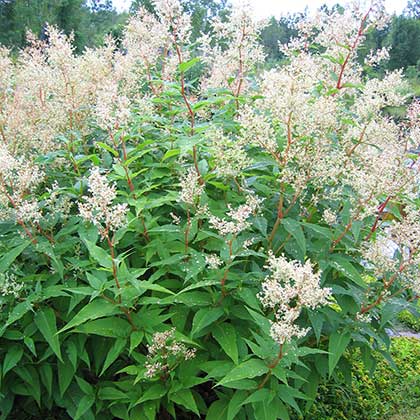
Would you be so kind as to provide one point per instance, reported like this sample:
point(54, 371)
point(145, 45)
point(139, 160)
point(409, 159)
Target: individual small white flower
point(176, 219)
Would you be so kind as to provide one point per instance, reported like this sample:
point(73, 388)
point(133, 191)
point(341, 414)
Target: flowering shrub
point(211, 246)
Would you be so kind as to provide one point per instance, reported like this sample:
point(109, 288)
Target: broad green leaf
point(246, 370)
point(295, 229)
point(45, 321)
point(199, 285)
point(29, 342)
point(46, 373)
point(225, 335)
point(171, 153)
point(261, 224)
point(263, 394)
point(235, 404)
point(113, 353)
point(320, 230)
point(346, 268)
point(146, 285)
point(336, 347)
point(106, 327)
point(7, 259)
point(12, 358)
point(65, 375)
point(110, 393)
point(155, 392)
point(85, 386)
point(204, 317)
point(83, 405)
point(30, 375)
point(218, 410)
point(183, 67)
point(136, 338)
point(107, 147)
point(185, 398)
point(98, 308)
point(17, 313)
point(98, 254)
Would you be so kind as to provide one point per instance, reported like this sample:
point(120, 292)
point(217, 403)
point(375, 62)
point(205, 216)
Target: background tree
point(404, 39)
point(88, 20)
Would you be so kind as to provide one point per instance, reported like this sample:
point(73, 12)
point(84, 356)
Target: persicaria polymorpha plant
point(183, 231)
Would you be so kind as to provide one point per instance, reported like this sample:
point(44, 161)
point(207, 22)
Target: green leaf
point(65, 375)
point(136, 338)
point(98, 308)
point(218, 410)
point(258, 396)
point(8, 258)
point(336, 347)
point(30, 375)
point(345, 267)
point(204, 317)
point(106, 327)
point(320, 230)
point(113, 353)
point(17, 313)
point(295, 229)
point(171, 153)
point(235, 404)
point(46, 323)
point(12, 358)
point(155, 392)
point(246, 370)
point(98, 254)
point(85, 386)
point(261, 224)
point(84, 405)
point(30, 344)
point(146, 285)
point(46, 373)
point(186, 65)
point(185, 398)
point(225, 335)
point(107, 147)
point(110, 393)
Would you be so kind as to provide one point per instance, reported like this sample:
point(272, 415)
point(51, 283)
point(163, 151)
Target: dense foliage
point(181, 236)
point(387, 394)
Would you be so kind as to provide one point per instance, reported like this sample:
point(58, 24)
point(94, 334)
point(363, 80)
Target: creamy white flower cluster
point(18, 178)
point(213, 261)
point(235, 52)
point(229, 155)
point(98, 207)
point(191, 189)
point(289, 288)
point(9, 286)
point(238, 218)
point(395, 252)
point(317, 136)
point(163, 351)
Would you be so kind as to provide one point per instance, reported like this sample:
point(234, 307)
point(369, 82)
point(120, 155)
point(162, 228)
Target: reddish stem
point(352, 49)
